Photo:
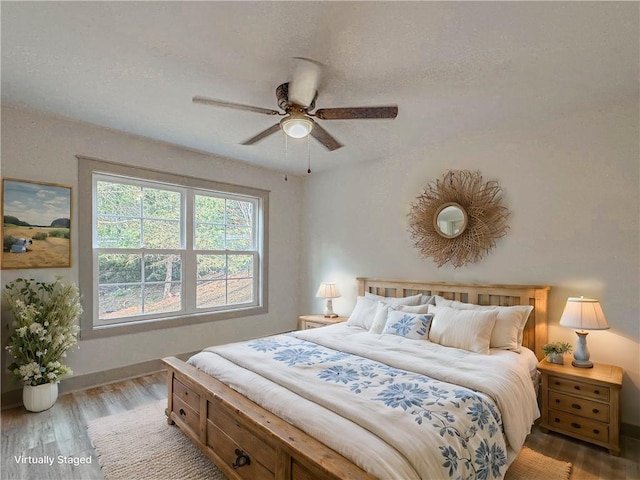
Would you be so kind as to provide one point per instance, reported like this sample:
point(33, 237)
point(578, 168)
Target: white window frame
point(89, 172)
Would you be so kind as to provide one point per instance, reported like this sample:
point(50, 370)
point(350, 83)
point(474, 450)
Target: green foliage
point(60, 232)
point(7, 241)
point(44, 329)
point(40, 236)
point(557, 348)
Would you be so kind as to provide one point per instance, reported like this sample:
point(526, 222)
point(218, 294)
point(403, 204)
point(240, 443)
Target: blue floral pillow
point(409, 325)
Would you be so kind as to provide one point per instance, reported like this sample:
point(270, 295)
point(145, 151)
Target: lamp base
point(328, 309)
point(582, 364)
point(581, 353)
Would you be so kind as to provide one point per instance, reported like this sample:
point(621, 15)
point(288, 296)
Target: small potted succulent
point(555, 351)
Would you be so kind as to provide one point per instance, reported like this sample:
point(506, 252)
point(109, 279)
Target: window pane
point(239, 238)
point(161, 233)
point(211, 267)
point(240, 291)
point(162, 204)
point(118, 232)
point(209, 237)
point(209, 209)
point(118, 199)
point(211, 294)
point(116, 301)
point(162, 268)
point(116, 268)
point(239, 213)
point(240, 266)
point(163, 297)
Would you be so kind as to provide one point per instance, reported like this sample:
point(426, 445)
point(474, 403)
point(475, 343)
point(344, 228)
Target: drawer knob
point(577, 387)
point(576, 406)
point(557, 383)
point(242, 459)
point(557, 419)
point(595, 410)
point(597, 392)
point(596, 431)
point(182, 412)
point(557, 400)
point(575, 425)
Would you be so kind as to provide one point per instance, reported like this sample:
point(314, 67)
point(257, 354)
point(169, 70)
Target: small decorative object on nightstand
point(582, 403)
point(583, 314)
point(555, 351)
point(329, 291)
point(314, 321)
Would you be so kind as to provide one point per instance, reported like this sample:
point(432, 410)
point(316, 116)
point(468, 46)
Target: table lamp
point(583, 314)
point(328, 290)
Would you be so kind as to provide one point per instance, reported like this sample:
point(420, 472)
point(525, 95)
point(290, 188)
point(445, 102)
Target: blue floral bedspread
point(434, 424)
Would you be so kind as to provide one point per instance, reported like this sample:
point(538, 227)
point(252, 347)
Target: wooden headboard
point(535, 332)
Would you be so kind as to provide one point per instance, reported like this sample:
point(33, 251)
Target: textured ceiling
point(451, 67)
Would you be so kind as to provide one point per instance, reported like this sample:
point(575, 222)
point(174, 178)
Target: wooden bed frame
point(248, 442)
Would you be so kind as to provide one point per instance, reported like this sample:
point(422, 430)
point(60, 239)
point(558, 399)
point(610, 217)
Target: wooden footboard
point(243, 439)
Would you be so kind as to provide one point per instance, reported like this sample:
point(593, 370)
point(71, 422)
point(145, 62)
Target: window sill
point(170, 322)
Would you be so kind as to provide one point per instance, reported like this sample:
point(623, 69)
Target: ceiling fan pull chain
point(286, 156)
point(308, 154)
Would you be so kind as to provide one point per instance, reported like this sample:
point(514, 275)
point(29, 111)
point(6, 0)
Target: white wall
point(43, 148)
point(572, 186)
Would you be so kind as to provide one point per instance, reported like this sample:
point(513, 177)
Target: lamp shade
point(328, 290)
point(297, 127)
point(583, 314)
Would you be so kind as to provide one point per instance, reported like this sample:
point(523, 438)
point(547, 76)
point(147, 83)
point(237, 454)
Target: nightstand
point(314, 321)
point(582, 402)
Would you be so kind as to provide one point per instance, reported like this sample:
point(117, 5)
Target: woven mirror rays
point(486, 218)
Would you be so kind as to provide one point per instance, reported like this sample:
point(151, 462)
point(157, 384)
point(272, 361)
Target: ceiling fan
point(297, 99)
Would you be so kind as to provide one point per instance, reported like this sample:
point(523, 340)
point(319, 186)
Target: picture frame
point(36, 224)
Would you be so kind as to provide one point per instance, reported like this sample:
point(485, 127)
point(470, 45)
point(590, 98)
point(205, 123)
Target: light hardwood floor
point(60, 433)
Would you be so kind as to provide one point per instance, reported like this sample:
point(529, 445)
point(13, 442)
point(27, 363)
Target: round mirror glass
point(450, 220)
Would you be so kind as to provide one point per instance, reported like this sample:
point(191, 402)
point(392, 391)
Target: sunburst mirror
point(458, 218)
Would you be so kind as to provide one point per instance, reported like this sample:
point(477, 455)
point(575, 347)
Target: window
point(168, 250)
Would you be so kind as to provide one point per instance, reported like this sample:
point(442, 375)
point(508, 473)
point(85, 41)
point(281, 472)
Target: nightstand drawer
point(579, 388)
point(307, 325)
point(579, 426)
point(579, 406)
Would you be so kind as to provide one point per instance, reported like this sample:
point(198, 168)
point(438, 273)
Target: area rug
point(141, 445)
point(531, 465)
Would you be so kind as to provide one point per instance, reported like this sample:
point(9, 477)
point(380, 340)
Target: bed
point(348, 402)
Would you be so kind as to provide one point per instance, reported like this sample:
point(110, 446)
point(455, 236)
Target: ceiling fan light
point(297, 127)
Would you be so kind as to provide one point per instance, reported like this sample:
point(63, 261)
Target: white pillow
point(383, 309)
point(428, 299)
point(441, 301)
point(363, 312)
point(510, 322)
point(412, 300)
point(408, 325)
point(465, 329)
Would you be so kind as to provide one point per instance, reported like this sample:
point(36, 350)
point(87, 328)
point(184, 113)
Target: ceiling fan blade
point(265, 133)
point(304, 83)
point(390, 111)
point(237, 106)
point(325, 138)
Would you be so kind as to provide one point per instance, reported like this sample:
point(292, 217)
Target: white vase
point(40, 397)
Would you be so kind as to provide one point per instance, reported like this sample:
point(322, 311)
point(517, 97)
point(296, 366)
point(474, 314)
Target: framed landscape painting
point(36, 225)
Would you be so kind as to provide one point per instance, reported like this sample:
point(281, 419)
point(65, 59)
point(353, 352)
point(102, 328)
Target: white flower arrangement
point(45, 328)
